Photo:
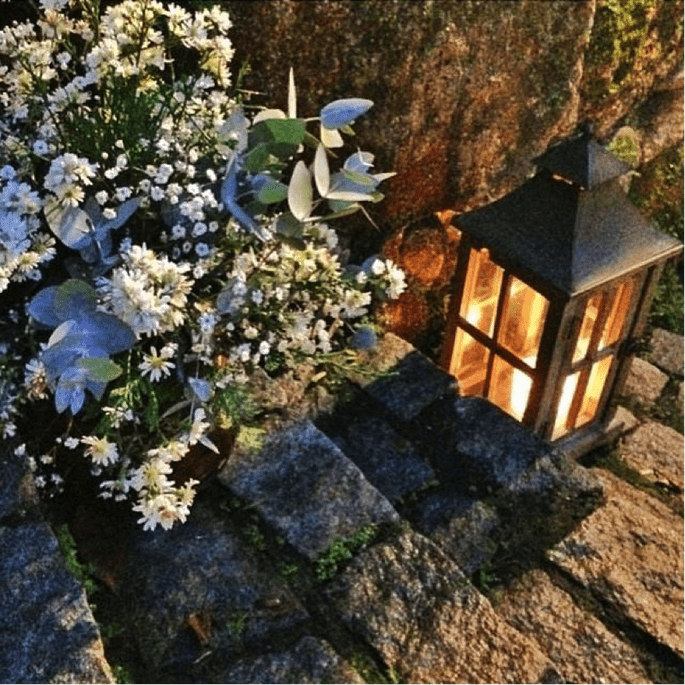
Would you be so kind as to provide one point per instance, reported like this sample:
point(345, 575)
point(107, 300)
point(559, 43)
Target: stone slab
point(630, 553)
point(582, 648)
point(307, 489)
point(194, 598)
point(460, 525)
point(389, 462)
point(644, 380)
point(476, 446)
point(410, 382)
point(47, 631)
point(414, 606)
point(667, 351)
point(309, 661)
point(656, 452)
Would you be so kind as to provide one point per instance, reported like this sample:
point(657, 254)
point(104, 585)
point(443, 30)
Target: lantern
point(553, 282)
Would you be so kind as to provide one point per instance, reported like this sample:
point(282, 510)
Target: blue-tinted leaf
point(124, 213)
point(42, 307)
point(341, 208)
point(359, 161)
point(201, 389)
point(97, 388)
point(70, 391)
point(73, 299)
point(341, 112)
point(300, 192)
point(107, 332)
point(71, 225)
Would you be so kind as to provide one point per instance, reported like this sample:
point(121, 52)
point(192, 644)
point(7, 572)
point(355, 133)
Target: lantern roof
point(583, 161)
point(567, 234)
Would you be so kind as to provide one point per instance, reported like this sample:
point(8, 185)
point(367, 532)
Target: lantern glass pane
point(593, 393)
point(589, 318)
point(568, 390)
point(523, 320)
point(510, 388)
point(470, 363)
point(481, 292)
point(617, 316)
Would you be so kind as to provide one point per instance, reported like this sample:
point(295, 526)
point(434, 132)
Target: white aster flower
point(155, 366)
point(100, 450)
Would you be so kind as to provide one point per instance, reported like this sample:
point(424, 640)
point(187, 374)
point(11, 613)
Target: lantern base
point(595, 435)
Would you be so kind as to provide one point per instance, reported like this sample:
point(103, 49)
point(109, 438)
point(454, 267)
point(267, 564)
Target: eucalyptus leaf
point(342, 112)
point(100, 369)
point(74, 298)
point(300, 192)
point(331, 138)
point(322, 174)
point(272, 192)
point(71, 225)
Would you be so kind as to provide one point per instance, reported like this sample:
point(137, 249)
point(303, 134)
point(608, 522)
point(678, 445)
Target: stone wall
point(467, 93)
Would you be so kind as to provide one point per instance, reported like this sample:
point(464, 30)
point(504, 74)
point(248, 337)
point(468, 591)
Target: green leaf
point(272, 192)
point(290, 131)
point(100, 369)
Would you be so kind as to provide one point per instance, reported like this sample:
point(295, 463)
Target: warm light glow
point(521, 385)
point(567, 392)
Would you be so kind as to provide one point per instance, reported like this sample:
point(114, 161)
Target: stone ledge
point(667, 351)
point(644, 380)
point(306, 488)
point(582, 648)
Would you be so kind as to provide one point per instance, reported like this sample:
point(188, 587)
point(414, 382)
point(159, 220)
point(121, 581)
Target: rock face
point(644, 381)
point(468, 93)
point(656, 452)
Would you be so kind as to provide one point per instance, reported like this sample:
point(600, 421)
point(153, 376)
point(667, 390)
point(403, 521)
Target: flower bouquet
point(161, 241)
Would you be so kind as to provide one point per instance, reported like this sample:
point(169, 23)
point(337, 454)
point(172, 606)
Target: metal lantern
point(553, 282)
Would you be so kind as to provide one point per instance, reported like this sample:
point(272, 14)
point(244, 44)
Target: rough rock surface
point(407, 380)
point(629, 553)
point(309, 661)
point(582, 648)
point(47, 631)
point(307, 489)
point(390, 463)
point(195, 597)
point(443, 72)
point(656, 451)
point(644, 381)
point(667, 351)
point(470, 457)
point(429, 624)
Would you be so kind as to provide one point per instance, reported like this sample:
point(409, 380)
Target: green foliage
point(342, 549)
point(82, 572)
point(618, 35)
point(236, 623)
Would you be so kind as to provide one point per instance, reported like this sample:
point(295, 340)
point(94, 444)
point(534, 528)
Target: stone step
point(307, 489)
point(582, 648)
point(47, 631)
point(409, 601)
point(629, 555)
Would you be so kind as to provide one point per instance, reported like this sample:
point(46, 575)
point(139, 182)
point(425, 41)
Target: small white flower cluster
point(23, 247)
point(148, 292)
point(146, 178)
